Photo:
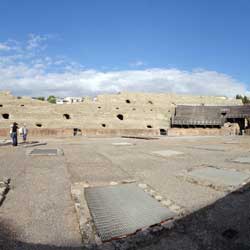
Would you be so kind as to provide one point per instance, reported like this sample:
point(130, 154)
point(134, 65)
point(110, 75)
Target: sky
point(89, 47)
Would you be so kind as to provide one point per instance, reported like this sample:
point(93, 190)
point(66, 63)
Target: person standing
point(24, 132)
point(14, 134)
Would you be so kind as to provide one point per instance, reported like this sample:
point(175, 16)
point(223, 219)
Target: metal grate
point(219, 177)
point(121, 210)
point(44, 151)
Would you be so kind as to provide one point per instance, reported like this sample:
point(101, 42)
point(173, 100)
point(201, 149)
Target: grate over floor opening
point(45, 151)
point(121, 210)
point(219, 178)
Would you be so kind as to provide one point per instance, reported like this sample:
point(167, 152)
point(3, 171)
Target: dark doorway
point(5, 116)
point(163, 131)
point(77, 131)
point(240, 121)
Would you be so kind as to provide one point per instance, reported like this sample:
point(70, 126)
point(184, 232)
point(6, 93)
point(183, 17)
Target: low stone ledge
point(68, 132)
point(4, 188)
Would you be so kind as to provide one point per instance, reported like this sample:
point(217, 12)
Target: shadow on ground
point(223, 225)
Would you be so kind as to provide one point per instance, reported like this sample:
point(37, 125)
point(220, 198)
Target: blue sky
point(89, 47)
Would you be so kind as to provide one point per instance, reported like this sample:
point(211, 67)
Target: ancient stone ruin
point(122, 114)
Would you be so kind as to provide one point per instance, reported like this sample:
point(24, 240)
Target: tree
point(51, 99)
point(40, 98)
point(245, 99)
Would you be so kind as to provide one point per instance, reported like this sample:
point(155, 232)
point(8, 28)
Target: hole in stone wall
point(151, 109)
point(39, 125)
point(117, 108)
point(149, 126)
point(150, 102)
point(120, 117)
point(134, 108)
point(127, 101)
point(77, 131)
point(66, 116)
point(99, 107)
point(163, 131)
point(1, 105)
point(22, 105)
point(103, 125)
point(5, 116)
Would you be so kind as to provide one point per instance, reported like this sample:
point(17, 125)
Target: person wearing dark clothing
point(14, 133)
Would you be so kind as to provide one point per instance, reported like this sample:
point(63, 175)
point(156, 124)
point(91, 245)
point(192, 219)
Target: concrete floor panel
point(219, 177)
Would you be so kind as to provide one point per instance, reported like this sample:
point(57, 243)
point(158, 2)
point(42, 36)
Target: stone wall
point(60, 132)
point(233, 129)
point(143, 111)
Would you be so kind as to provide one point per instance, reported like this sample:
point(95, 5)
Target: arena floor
point(39, 212)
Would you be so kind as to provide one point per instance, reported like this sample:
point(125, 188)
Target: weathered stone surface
point(243, 160)
point(158, 197)
point(166, 203)
point(148, 111)
point(122, 144)
point(218, 178)
point(210, 147)
point(167, 153)
point(143, 185)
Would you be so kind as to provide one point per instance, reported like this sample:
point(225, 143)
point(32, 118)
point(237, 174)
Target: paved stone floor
point(38, 212)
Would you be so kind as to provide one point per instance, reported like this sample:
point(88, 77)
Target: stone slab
point(218, 178)
point(210, 147)
point(243, 160)
point(122, 144)
point(167, 153)
point(45, 152)
point(35, 144)
point(232, 142)
point(121, 210)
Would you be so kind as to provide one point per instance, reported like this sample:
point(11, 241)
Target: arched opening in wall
point(163, 131)
point(22, 105)
point(149, 126)
point(77, 131)
point(99, 107)
point(39, 125)
point(127, 101)
point(150, 102)
point(1, 105)
point(66, 116)
point(120, 117)
point(5, 116)
point(103, 125)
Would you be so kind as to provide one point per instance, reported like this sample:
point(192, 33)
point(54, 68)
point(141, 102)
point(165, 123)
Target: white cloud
point(137, 63)
point(4, 47)
point(36, 42)
point(32, 74)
